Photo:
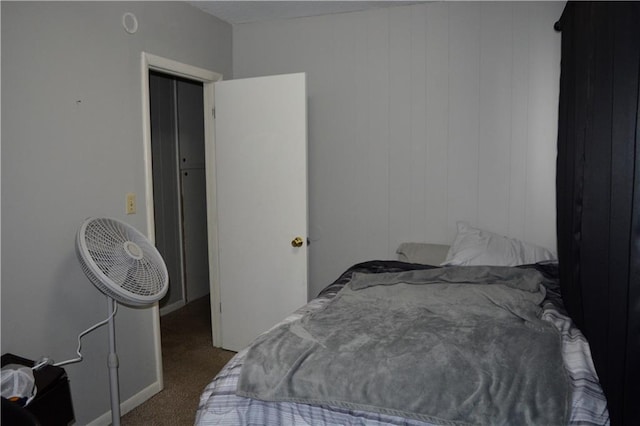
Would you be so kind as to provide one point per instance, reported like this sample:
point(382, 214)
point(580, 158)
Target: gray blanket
point(457, 345)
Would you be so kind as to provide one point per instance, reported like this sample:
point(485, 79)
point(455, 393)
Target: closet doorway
point(179, 185)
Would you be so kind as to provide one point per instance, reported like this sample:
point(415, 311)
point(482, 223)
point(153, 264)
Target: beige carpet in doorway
point(189, 364)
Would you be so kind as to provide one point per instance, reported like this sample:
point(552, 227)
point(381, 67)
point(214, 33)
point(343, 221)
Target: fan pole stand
point(113, 367)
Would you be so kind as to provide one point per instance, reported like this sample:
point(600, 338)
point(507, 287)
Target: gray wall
point(72, 148)
point(420, 116)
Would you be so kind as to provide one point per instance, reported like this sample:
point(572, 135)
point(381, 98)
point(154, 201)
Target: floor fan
point(123, 264)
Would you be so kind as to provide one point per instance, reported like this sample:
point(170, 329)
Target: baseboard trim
point(172, 307)
point(129, 404)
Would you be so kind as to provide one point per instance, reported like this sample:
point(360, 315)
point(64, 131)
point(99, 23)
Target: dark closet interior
point(179, 185)
point(598, 196)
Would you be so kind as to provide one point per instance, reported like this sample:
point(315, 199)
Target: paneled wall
point(420, 116)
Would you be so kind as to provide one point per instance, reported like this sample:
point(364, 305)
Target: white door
point(261, 183)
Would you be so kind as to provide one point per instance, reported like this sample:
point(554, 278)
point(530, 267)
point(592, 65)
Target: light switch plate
point(131, 203)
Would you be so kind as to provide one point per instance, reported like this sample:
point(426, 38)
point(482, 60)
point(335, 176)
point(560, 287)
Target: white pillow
point(473, 246)
point(428, 254)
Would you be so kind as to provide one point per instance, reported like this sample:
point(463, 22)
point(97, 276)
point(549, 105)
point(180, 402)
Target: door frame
point(207, 78)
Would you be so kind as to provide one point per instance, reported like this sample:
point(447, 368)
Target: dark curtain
point(598, 191)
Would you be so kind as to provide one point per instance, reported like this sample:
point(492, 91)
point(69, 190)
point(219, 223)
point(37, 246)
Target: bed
point(483, 339)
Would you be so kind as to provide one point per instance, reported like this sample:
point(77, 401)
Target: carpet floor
point(189, 363)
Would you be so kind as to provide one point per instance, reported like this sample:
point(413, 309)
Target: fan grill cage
point(109, 255)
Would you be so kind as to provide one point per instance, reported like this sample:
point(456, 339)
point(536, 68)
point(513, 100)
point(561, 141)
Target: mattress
point(220, 405)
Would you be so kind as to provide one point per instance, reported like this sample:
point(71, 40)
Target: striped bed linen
point(219, 405)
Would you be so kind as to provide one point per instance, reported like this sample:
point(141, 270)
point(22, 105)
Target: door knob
point(297, 242)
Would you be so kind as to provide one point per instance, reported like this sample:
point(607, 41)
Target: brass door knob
point(297, 242)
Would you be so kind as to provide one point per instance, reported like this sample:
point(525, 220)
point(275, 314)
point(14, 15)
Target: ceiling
point(240, 12)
